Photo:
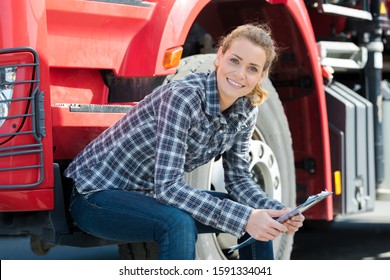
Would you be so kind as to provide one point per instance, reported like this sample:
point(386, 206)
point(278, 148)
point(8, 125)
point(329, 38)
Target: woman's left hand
point(294, 223)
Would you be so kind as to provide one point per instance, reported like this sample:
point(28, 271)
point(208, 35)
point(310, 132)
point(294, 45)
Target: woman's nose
point(241, 72)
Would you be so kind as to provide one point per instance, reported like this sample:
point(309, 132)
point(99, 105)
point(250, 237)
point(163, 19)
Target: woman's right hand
point(263, 227)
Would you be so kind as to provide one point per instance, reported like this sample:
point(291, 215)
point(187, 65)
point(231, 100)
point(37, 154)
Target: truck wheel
point(272, 164)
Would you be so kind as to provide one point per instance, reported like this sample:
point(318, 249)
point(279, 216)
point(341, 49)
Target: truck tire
point(272, 164)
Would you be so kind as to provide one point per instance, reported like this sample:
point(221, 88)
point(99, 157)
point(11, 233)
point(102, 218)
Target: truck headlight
point(7, 80)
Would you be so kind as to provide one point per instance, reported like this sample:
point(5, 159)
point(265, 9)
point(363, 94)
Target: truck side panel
point(23, 24)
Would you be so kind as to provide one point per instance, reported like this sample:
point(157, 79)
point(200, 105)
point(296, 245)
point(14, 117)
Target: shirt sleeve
point(175, 115)
point(238, 180)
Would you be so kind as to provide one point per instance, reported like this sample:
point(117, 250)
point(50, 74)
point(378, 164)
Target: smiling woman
point(129, 182)
point(271, 164)
point(239, 70)
point(264, 45)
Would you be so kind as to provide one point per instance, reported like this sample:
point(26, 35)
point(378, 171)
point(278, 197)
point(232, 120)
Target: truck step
point(97, 108)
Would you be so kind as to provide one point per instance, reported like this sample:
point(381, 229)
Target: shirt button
point(209, 151)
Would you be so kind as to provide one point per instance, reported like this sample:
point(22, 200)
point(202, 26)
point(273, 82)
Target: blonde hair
point(259, 35)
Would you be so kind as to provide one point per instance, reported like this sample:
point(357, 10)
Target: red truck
point(69, 69)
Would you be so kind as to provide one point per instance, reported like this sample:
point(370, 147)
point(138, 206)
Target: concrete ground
point(355, 237)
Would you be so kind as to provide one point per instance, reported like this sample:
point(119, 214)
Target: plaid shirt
point(175, 129)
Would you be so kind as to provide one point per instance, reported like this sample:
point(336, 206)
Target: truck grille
point(21, 119)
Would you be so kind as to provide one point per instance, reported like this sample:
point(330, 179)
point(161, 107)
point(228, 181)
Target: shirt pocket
point(200, 136)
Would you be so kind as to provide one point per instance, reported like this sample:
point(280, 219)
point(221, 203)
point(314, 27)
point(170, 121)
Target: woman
point(129, 181)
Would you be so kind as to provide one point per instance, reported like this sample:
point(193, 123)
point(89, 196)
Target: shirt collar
point(212, 98)
point(241, 107)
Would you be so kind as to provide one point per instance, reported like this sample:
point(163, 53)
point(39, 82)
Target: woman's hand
point(263, 227)
point(294, 223)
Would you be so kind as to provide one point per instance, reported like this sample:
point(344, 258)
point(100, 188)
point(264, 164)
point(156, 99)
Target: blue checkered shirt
point(173, 130)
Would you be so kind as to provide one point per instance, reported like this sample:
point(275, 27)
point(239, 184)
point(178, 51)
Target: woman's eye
point(253, 69)
point(234, 60)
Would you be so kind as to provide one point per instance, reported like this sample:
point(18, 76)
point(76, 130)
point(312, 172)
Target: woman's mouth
point(234, 84)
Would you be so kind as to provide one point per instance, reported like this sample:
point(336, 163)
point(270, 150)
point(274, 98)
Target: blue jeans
point(132, 217)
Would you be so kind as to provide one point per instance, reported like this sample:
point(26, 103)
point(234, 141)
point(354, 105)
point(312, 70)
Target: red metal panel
point(89, 34)
point(74, 130)
point(316, 183)
point(131, 40)
point(23, 23)
point(26, 200)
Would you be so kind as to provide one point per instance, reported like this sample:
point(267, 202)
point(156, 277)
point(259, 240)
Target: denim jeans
point(133, 217)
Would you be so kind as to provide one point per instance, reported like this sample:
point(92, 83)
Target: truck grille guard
point(34, 100)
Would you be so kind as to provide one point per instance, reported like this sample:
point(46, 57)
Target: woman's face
point(239, 69)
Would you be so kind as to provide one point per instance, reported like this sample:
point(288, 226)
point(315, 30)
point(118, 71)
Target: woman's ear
point(263, 75)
